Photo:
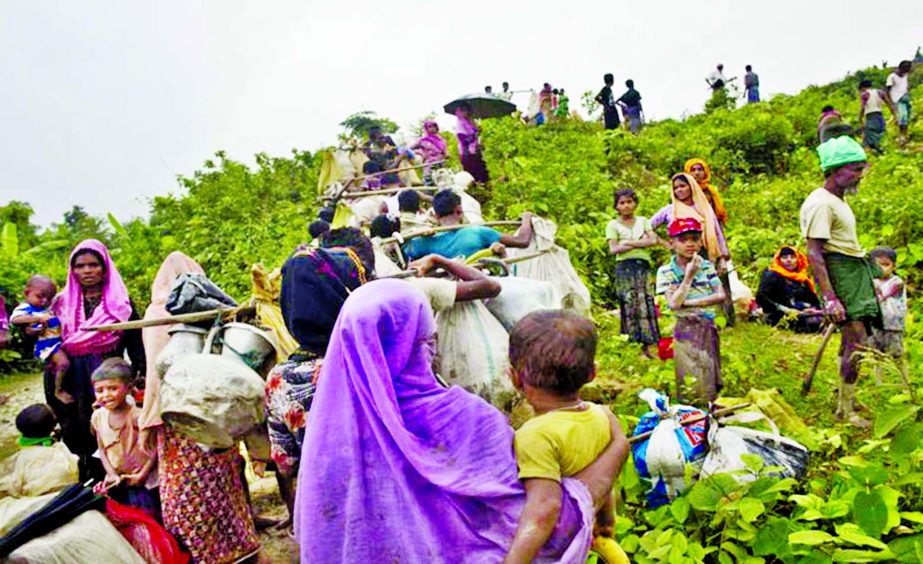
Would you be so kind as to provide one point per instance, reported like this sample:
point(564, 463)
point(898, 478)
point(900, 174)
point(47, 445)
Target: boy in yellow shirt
point(551, 357)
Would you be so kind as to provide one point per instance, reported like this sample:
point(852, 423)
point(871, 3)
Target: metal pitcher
point(184, 339)
point(244, 343)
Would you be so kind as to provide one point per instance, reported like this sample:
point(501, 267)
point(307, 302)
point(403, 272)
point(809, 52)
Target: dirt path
point(26, 389)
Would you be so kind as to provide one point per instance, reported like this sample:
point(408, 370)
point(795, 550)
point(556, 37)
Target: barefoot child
point(629, 237)
point(35, 313)
point(551, 357)
point(692, 289)
point(130, 476)
point(892, 297)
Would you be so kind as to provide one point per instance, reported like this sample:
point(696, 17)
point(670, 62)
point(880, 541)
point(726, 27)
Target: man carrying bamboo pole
point(466, 241)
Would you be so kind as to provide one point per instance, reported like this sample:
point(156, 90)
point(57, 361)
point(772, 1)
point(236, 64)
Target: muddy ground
point(25, 389)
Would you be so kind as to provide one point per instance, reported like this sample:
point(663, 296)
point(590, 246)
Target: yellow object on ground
point(607, 551)
point(266, 287)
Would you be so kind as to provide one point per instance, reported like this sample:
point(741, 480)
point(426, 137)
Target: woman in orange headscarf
point(787, 291)
point(702, 173)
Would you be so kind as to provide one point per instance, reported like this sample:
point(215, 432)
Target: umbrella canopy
point(482, 106)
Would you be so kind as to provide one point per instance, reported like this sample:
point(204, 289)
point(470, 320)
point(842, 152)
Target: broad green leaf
point(871, 475)
point(9, 239)
point(851, 533)
point(772, 538)
point(886, 421)
point(907, 439)
point(912, 516)
point(810, 538)
point(753, 462)
point(849, 555)
point(870, 512)
point(680, 509)
point(117, 226)
point(750, 508)
point(908, 548)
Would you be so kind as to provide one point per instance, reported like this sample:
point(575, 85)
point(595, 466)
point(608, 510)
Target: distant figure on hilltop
point(898, 89)
point(605, 99)
point(871, 114)
point(562, 109)
point(716, 80)
point(752, 84)
point(488, 89)
point(506, 94)
point(630, 103)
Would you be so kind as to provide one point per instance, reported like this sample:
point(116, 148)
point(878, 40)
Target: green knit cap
point(840, 151)
point(112, 369)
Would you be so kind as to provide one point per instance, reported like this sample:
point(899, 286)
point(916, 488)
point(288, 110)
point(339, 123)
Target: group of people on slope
point(629, 103)
point(717, 81)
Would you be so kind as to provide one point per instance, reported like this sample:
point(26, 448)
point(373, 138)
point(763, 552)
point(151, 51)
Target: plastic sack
point(384, 266)
point(365, 209)
point(741, 295)
point(266, 287)
point(728, 443)
point(520, 297)
point(212, 399)
point(473, 351)
point(195, 292)
point(148, 537)
point(554, 266)
point(38, 470)
point(89, 537)
point(661, 459)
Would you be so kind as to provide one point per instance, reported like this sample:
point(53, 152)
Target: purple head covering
point(467, 133)
point(396, 467)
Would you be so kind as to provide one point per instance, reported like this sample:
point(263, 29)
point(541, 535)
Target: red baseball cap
point(684, 225)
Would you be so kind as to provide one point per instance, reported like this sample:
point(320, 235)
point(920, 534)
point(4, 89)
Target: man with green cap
point(843, 273)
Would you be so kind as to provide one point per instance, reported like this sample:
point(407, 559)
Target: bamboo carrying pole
point(691, 420)
point(173, 319)
point(386, 191)
point(364, 176)
point(440, 229)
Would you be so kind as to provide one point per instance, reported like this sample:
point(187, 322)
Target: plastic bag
point(741, 295)
point(195, 292)
point(148, 537)
point(212, 399)
point(727, 443)
point(89, 537)
point(554, 266)
point(473, 351)
point(661, 459)
point(520, 297)
point(38, 470)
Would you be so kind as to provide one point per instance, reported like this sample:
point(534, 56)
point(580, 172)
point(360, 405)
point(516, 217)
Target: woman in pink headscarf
point(433, 148)
point(469, 147)
point(94, 295)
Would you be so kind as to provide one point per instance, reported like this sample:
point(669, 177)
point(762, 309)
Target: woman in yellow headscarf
point(702, 173)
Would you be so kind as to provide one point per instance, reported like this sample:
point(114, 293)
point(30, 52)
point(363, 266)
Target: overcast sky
point(104, 103)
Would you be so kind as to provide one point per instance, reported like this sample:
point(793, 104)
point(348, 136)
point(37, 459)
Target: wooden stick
point(354, 195)
point(440, 229)
point(526, 257)
point(172, 320)
point(339, 195)
point(691, 420)
point(809, 377)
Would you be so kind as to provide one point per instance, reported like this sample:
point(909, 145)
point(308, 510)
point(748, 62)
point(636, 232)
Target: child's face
point(111, 393)
point(626, 206)
point(687, 245)
point(886, 265)
point(39, 295)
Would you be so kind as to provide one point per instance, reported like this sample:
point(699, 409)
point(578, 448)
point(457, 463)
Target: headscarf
point(840, 151)
point(800, 274)
point(434, 138)
point(114, 306)
point(466, 132)
point(396, 467)
point(702, 211)
point(315, 284)
point(156, 338)
point(717, 202)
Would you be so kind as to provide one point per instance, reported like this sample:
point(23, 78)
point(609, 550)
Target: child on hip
point(35, 315)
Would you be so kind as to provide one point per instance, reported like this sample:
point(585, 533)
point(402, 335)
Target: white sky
point(103, 103)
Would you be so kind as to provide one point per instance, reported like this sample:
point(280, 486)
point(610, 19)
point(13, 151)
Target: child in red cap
point(692, 288)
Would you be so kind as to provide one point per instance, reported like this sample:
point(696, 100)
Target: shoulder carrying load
point(519, 297)
point(459, 183)
point(554, 266)
point(384, 266)
point(474, 351)
point(212, 399)
point(661, 460)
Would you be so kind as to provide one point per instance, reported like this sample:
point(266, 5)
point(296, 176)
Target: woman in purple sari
point(397, 468)
point(469, 147)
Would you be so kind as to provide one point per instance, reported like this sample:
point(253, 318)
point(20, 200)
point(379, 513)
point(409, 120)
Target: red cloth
point(148, 537)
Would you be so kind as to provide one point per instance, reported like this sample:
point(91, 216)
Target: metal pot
point(244, 343)
point(184, 339)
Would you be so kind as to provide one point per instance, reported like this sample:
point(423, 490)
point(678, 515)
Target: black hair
point(554, 350)
point(748, 68)
point(624, 193)
point(886, 252)
point(787, 251)
point(82, 252)
point(354, 239)
point(608, 78)
point(383, 226)
point(408, 201)
point(827, 108)
point(905, 64)
point(36, 421)
point(838, 130)
point(866, 83)
point(326, 214)
point(554, 90)
point(371, 167)
point(445, 202)
point(488, 88)
point(318, 228)
point(630, 83)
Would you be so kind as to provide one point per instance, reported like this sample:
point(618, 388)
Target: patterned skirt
point(203, 500)
point(697, 357)
point(636, 301)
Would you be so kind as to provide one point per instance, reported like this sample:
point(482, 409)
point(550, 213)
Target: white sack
point(519, 297)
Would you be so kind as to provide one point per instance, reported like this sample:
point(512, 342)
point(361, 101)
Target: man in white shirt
point(716, 80)
point(898, 90)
